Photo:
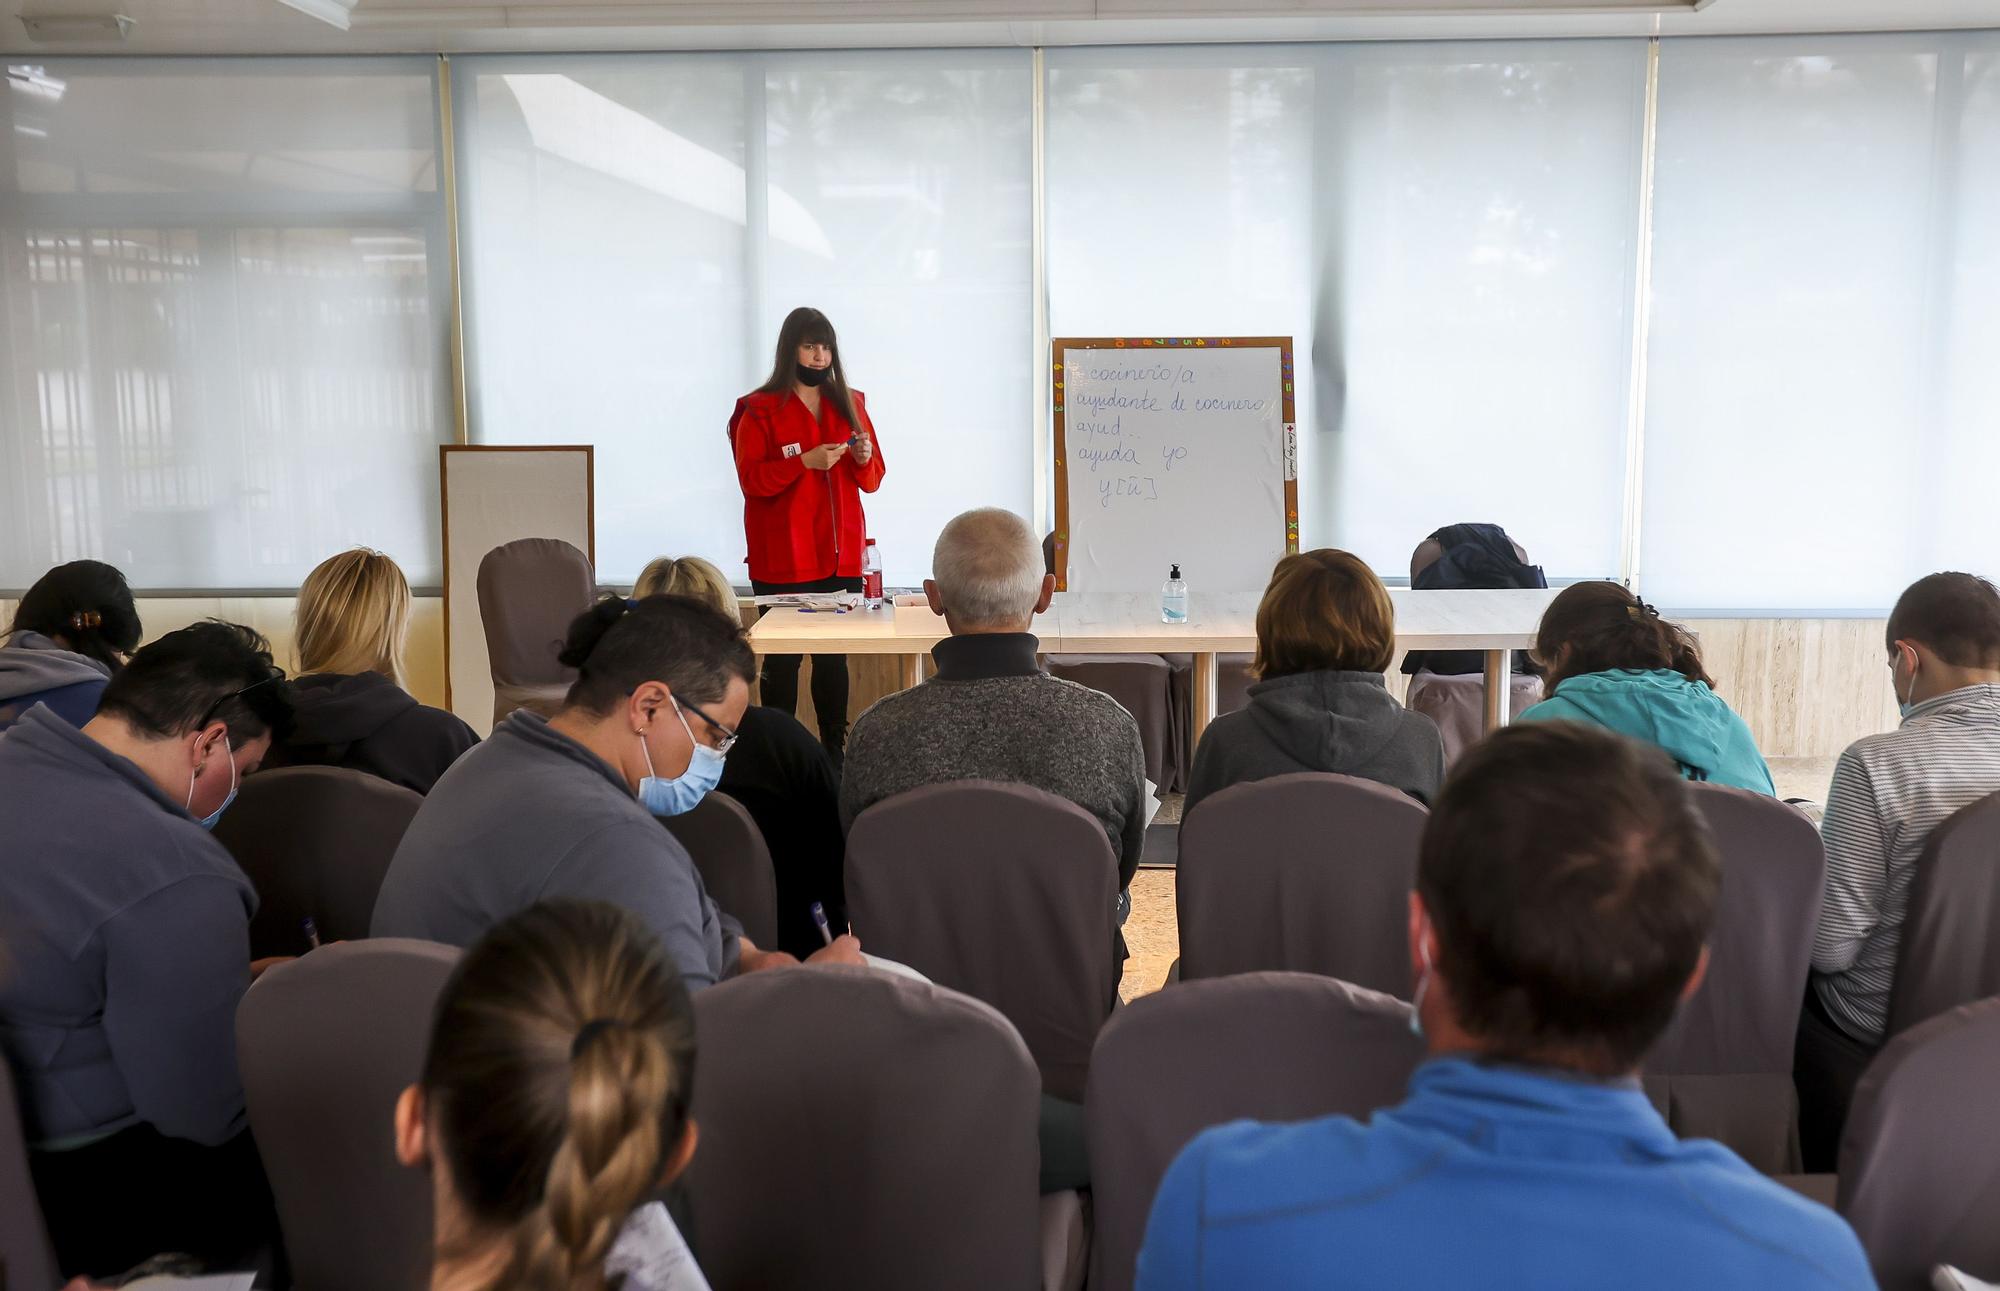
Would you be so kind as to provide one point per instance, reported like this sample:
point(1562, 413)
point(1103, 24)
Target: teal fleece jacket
point(1661, 707)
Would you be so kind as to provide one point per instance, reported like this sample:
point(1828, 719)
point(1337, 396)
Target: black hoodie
point(368, 723)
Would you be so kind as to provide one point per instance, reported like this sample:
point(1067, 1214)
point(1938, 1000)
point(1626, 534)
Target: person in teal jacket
point(1612, 661)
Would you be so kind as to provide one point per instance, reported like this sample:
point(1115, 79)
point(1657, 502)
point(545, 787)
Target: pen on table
point(311, 930)
point(819, 922)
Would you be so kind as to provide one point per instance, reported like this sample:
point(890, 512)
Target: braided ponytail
point(560, 1073)
point(1602, 627)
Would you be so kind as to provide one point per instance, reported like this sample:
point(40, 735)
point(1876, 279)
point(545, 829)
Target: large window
point(224, 325)
point(1447, 230)
point(1823, 401)
point(636, 229)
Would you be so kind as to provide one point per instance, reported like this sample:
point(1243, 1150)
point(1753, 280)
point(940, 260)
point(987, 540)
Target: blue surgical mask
point(208, 821)
point(671, 797)
point(1903, 706)
point(1417, 998)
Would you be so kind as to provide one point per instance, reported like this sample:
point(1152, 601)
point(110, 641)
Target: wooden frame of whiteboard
point(444, 516)
point(1289, 419)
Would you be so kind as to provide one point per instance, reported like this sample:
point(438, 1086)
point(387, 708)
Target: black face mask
point(814, 376)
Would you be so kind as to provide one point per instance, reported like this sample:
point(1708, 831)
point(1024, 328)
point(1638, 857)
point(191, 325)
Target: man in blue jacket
point(1565, 889)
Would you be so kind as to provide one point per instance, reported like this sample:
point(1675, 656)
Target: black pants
point(1826, 1066)
point(137, 1194)
point(780, 676)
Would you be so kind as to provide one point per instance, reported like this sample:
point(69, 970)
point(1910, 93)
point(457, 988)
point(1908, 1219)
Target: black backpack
point(1475, 555)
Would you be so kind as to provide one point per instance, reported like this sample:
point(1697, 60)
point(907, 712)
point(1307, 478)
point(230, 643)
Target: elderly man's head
point(987, 574)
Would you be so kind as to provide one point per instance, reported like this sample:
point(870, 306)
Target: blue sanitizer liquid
point(1173, 598)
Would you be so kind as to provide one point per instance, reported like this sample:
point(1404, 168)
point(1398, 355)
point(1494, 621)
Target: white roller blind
point(1821, 423)
point(636, 229)
point(224, 329)
point(1446, 230)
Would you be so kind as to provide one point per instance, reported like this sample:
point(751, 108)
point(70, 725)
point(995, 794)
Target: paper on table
point(213, 1282)
point(1152, 807)
point(812, 600)
point(652, 1255)
point(892, 966)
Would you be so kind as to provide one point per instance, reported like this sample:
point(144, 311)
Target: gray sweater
point(126, 930)
point(532, 814)
point(1346, 723)
point(991, 713)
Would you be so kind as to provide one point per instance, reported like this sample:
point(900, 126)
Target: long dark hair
point(807, 326)
point(1601, 627)
point(88, 604)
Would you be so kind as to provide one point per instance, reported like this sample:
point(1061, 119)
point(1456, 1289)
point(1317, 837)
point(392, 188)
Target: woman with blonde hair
point(782, 775)
point(553, 1104)
point(1326, 634)
point(353, 623)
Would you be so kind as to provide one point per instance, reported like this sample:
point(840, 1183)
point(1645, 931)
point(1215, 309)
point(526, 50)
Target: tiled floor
point(1154, 938)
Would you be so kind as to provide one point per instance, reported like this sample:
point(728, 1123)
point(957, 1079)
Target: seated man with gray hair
point(990, 712)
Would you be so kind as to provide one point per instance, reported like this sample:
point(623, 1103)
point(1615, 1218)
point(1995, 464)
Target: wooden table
point(1495, 623)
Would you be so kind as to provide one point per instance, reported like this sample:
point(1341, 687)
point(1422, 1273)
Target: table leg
point(1205, 697)
point(1499, 688)
point(912, 669)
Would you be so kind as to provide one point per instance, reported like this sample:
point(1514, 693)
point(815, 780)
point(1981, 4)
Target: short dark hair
point(618, 645)
point(211, 671)
point(1603, 627)
point(89, 605)
point(1572, 883)
point(1956, 615)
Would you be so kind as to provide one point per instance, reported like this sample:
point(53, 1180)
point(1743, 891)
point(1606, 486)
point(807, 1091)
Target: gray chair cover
point(529, 590)
point(326, 1044)
point(862, 1129)
point(1723, 1069)
point(1458, 705)
point(27, 1260)
point(1270, 1046)
point(735, 865)
point(1950, 951)
point(1005, 893)
point(1920, 1157)
point(314, 841)
point(1309, 873)
point(1142, 685)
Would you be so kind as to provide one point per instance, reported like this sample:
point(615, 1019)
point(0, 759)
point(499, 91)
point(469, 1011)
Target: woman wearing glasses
point(565, 806)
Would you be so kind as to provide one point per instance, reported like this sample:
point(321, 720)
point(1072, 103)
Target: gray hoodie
point(1346, 723)
point(532, 814)
point(35, 670)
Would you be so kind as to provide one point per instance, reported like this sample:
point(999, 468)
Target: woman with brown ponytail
point(553, 1104)
point(1611, 660)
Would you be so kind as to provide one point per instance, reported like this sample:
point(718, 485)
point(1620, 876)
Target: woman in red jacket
point(805, 453)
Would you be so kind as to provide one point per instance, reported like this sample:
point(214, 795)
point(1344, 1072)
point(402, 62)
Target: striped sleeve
point(1857, 867)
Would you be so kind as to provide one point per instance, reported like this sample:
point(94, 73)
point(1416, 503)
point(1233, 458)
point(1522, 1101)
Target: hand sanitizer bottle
point(1173, 598)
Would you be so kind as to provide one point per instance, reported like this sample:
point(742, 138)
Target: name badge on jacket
point(792, 450)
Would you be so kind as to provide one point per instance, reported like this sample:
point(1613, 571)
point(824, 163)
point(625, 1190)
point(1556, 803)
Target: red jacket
point(802, 525)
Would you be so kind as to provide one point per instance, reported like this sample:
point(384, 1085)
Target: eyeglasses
point(727, 738)
point(277, 674)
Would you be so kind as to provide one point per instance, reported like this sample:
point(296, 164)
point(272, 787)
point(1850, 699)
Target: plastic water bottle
point(1173, 598)
point(871, 576)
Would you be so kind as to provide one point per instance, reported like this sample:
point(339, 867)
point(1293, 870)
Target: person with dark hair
point(554, 1102)
point(1611, 660)
point(1326, 634)
point(127, 935)
point(70, 633)
point(1566, 887)
point(1889, 792)
point(805, 453)
point(566, 806)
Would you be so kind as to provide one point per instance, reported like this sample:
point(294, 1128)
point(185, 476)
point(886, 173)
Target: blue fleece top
point(1487, 1176)
point(126, 930)
point(35, 670)
point(1685, 718)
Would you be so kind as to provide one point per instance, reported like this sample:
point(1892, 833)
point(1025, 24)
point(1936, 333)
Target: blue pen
point(819, 922)
point(311, 930)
